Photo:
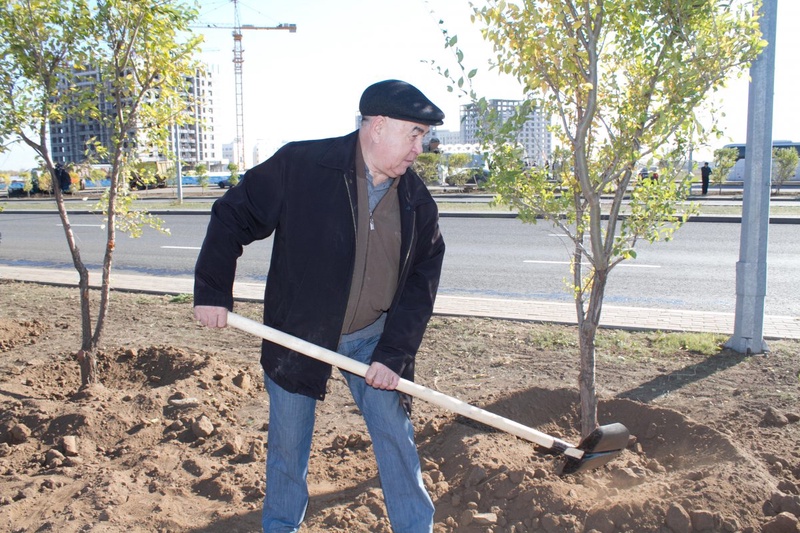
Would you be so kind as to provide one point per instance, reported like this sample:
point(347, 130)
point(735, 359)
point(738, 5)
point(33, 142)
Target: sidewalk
point(634, 318)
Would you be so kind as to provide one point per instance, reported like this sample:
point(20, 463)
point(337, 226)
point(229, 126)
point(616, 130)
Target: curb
point(542, 311)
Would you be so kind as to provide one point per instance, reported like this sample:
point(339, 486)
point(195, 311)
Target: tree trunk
point(87, 358)
point(111, 244)
point(588, 394)
point(587, 326)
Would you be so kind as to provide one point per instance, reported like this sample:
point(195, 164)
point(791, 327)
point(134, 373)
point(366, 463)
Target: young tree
point(201, 171)
point(457, 173)
point(724, 161)
point(427, 166)
point(41, 181)
point(139, 59)
point(233, 168)
point(622, 79)
point(784, 166)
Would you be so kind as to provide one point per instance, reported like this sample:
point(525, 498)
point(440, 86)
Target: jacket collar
point(341, 153)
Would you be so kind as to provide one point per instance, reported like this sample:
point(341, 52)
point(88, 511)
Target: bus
point(737, 174)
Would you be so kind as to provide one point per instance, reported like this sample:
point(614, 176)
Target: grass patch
point(638, 346)
point(182, 298)
point(696, 343)
point(148, 300)
point(553, 338)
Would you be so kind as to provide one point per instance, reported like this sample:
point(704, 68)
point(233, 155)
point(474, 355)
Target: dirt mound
point(15, 333)
point(162, 426)
point(173, 440)
point(491, 479)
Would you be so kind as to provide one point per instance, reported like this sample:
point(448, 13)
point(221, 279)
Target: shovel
point(597, 449)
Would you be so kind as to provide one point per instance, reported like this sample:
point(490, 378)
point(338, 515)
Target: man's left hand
point(381, 376)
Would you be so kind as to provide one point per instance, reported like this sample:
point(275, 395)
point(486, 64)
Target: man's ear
point(377, 126)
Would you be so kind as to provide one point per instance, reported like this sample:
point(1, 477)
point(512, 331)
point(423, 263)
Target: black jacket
point(306, 195)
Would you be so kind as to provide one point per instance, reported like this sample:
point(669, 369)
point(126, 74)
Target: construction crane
point(238, 60)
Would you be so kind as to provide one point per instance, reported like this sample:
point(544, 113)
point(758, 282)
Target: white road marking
point(83, 225)
point(181, 247)
point(586, 264)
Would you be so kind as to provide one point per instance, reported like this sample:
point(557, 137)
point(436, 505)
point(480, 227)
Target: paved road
point(486, 257)
point(524, 306)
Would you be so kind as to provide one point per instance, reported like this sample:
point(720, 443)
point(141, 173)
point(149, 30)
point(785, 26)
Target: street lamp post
point(751, 270)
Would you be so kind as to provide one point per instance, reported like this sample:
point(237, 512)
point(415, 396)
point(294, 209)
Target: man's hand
point(211, 316)
point(381, 376)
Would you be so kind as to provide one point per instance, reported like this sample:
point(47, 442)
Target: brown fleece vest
point(377, 261)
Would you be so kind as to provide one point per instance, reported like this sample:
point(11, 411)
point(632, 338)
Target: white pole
point(178, 169)
point(751, 270)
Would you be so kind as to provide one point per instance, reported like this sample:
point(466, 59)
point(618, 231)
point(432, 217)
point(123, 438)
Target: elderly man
point(355, 268)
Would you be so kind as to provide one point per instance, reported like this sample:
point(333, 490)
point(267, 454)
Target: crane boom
point(291, 27)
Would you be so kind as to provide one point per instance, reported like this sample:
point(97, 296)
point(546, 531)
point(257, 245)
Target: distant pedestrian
point(64, 179)
point(705, 174)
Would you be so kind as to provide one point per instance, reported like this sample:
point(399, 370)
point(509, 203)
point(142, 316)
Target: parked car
point(16, 188)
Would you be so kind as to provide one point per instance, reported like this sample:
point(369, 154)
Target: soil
point(174, 438)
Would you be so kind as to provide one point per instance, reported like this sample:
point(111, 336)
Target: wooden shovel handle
point(408, 387)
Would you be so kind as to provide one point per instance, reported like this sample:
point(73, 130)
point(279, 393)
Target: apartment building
point(194, 142)
point(534, 136)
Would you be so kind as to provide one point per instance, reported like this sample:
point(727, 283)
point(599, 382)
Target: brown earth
point(174, 440)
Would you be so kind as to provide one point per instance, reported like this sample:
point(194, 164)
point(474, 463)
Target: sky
point(307, 84)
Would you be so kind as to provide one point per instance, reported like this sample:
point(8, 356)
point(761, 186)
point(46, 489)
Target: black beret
point(400, 100)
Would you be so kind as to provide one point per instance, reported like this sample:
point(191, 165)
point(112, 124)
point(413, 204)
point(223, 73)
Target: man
point(355, 268)
point(705, 175)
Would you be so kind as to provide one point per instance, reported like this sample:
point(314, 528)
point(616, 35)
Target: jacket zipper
point(410, 244)
point(352, 209)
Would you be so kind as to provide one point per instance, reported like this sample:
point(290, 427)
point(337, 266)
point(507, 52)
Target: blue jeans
point(291, 425)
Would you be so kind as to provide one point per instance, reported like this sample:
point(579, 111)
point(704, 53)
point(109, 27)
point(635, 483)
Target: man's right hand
point(211, 316)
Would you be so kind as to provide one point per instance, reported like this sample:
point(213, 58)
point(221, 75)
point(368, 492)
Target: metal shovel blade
point(599, 447)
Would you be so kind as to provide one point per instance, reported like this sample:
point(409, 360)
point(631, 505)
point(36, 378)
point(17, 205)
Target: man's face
point(400, 144)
